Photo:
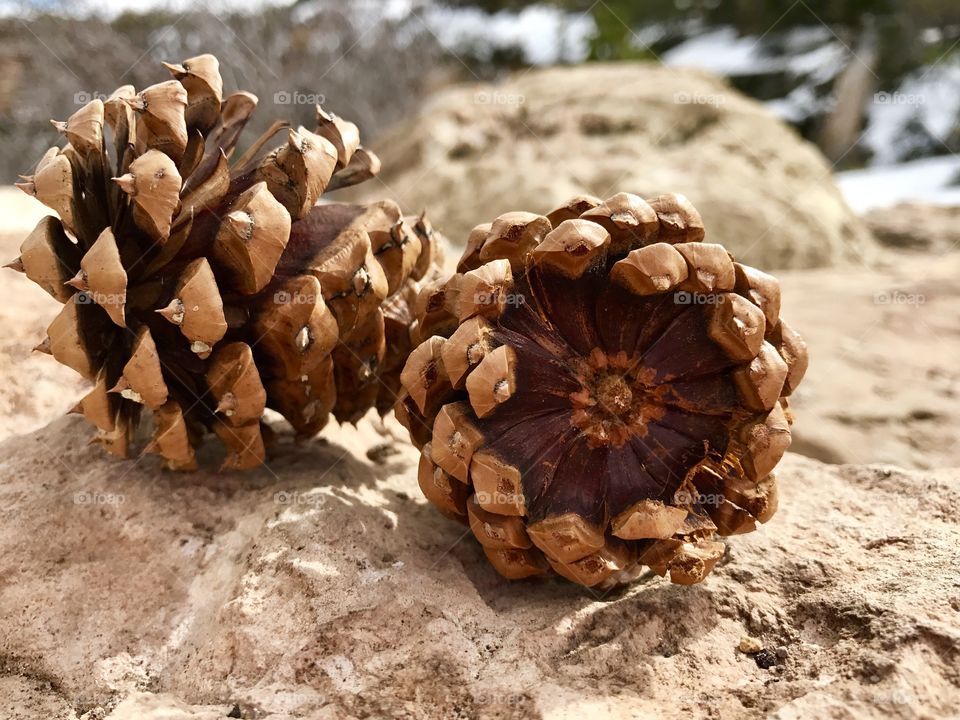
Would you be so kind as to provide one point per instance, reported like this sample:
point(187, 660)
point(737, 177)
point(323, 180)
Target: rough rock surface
point(916, 226)
point(323, 587)
point(884, 380)
point(477, 151)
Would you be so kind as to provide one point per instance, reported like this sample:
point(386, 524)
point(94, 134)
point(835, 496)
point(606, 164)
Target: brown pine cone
point(598, 390)
point(206, 287)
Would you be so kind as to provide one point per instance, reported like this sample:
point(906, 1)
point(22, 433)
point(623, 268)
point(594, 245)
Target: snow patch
point(929, 180)
point(927, 96)
point(721, 51)
point(545, 34)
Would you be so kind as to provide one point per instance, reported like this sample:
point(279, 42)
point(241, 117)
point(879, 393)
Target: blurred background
point(873, 83)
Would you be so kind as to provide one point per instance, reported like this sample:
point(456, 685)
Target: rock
point(884, 381)
point(765, 660)
point(324, 587)
point(750, 645)
point(33, 387)
point(916, 226)
point(477, 151)
point(147, 706)
point(24, 698)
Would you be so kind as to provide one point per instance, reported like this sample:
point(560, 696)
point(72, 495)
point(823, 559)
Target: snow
point(801, 103)
point(545, 34)
point(809, 54)
point(928, 180)
point(804, 51)
point(928, 96)
point(820, 63)
point(720, 51)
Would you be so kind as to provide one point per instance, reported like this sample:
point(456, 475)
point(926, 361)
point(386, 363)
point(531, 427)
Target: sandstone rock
point(33, 387)
point(884, 381)
point(916, 226)
point(477, 151)
point(322, 587)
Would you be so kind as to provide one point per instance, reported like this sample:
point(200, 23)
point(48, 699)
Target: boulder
point(916, 226)
point(476, 151)
point(322, 586)
point(884, 379)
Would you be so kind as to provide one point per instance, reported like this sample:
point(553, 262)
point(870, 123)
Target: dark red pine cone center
point(612, 402)
point(618, 397)
point(613, 394)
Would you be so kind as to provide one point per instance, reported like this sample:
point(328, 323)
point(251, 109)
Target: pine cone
point(598, 390)
point(207, 288)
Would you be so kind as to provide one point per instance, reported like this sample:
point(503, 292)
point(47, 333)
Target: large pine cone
point(207, 288)
point(598, 390)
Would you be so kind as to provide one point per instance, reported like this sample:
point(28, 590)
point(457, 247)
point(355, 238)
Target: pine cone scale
point(48, 258)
